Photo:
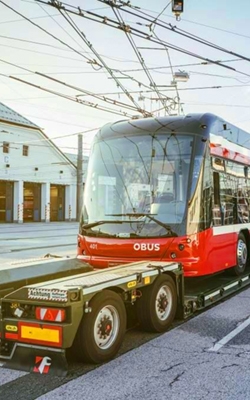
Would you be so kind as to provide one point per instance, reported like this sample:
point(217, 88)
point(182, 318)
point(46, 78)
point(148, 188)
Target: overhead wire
point(114, 24)
point(21, 19)
point(71, 98)
point(60, 48)
point(65, 31)
point(47, 32)
point(189, 88)
point(158, 16)
point(68, 97)
point(168, 26)
point(200, 24)
point(121, 71)
point(103, 63)
point(80, 12)
point(47, 139)
point(172, 73)
point(53, 109)
point(111, 58)
point(40, 52)
point(139, 56)
point(102, 98)
point(54, 120)
point(92, 62)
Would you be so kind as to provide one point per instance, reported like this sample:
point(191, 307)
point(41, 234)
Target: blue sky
point(224, 23)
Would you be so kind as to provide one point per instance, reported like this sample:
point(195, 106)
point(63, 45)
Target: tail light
point(50, 314)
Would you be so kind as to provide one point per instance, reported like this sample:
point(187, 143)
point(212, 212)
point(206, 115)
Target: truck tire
point(156, 308)
point(241, 255)
point(101, 331)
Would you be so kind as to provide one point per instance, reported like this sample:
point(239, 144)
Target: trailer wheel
point(101, 331)
point(156, 308)
point(241, 255)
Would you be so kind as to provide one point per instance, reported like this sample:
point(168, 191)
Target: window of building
point(6, 147)
point(25, 150)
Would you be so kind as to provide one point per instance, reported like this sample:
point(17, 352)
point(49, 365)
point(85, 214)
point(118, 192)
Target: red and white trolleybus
point(168, 188)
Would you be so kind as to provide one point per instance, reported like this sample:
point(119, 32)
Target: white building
point(37, 181)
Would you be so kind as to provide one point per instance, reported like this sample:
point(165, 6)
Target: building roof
point(9, 115)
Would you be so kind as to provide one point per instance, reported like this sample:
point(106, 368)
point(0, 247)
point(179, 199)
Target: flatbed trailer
point(26, 272)
point(86, 313)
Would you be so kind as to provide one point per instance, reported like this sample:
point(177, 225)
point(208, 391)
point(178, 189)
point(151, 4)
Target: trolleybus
point(168, 189)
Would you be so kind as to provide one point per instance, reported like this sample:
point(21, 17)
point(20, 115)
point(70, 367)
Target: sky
point(27, 47)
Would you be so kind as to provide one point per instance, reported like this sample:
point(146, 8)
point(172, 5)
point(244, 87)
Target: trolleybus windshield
point(131, 178)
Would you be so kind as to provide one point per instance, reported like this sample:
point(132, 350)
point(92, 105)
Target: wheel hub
point(162, 303)
point(105, 327)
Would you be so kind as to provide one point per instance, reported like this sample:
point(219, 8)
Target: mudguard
point(37, 359)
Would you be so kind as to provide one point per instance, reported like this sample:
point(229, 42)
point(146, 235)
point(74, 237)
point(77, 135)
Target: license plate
point(45, 334)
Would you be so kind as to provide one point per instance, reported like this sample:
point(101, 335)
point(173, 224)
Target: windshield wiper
point(112, 221)
point(149, 216)
point(93, 224)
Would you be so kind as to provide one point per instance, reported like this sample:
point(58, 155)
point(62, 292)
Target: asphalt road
point(206, 357)
point(178, 365)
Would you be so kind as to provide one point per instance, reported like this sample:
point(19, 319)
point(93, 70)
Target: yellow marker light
point(11, 328)
point(147, 280)
point(131, 284)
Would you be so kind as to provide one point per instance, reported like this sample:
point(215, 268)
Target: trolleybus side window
point(206, 199)
point(231, 193)
point(239, 173)
point(216, 200)
point(227, 198)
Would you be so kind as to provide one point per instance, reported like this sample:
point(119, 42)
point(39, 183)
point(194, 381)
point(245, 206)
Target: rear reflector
point(50, 314)
point(12, 336)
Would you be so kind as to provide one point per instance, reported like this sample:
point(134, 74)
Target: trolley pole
point(79, 177)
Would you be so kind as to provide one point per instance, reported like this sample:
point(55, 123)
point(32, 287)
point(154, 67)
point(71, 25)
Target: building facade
point(37, 181)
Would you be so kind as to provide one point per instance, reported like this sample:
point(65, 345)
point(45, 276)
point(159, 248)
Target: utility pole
point(79, 177)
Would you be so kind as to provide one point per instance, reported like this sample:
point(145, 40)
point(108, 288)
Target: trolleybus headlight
point(181, 246)
point(173, 255)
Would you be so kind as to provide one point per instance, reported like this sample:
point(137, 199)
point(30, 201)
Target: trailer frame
point(157, 289)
